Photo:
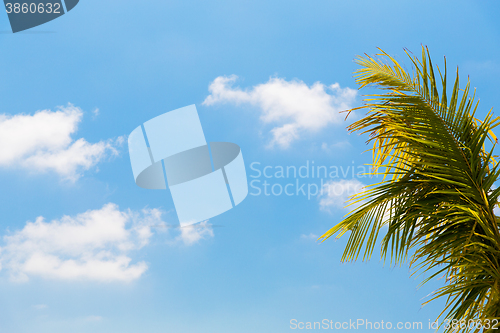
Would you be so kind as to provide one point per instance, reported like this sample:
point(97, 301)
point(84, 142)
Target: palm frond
point(437, 194)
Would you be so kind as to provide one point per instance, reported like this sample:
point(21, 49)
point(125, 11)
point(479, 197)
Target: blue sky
point(72, 90)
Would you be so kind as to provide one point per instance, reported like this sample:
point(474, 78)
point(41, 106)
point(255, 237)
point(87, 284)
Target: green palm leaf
point(437, 194)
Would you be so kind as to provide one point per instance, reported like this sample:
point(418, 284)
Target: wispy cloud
point(311, 236)
point(335, 146)
point(336, 193)
point(292, 107)
point(42, 142)
point(192, 234)
point(93, 319)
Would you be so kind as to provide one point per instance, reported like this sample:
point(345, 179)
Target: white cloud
point(309, 237)
point(94, 245)
point(93, 318)
point(40, 306)
point(291, 107)
point(336, 193)
point(43, 142)
point(194, 233)
point(90, 246)
point(335, 146)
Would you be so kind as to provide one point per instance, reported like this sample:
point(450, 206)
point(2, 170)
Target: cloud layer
point(292, 107)
point(43, 142)
point(95, 245)
point(90, 246)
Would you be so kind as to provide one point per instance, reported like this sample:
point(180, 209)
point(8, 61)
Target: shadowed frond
point(437, 194)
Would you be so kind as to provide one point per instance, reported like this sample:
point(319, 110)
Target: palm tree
point(437, 193)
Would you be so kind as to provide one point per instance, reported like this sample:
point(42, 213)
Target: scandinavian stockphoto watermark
point(368, 325)
point(356, 324)
point(205, 179)
point(24, 15)
point(309, 180)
